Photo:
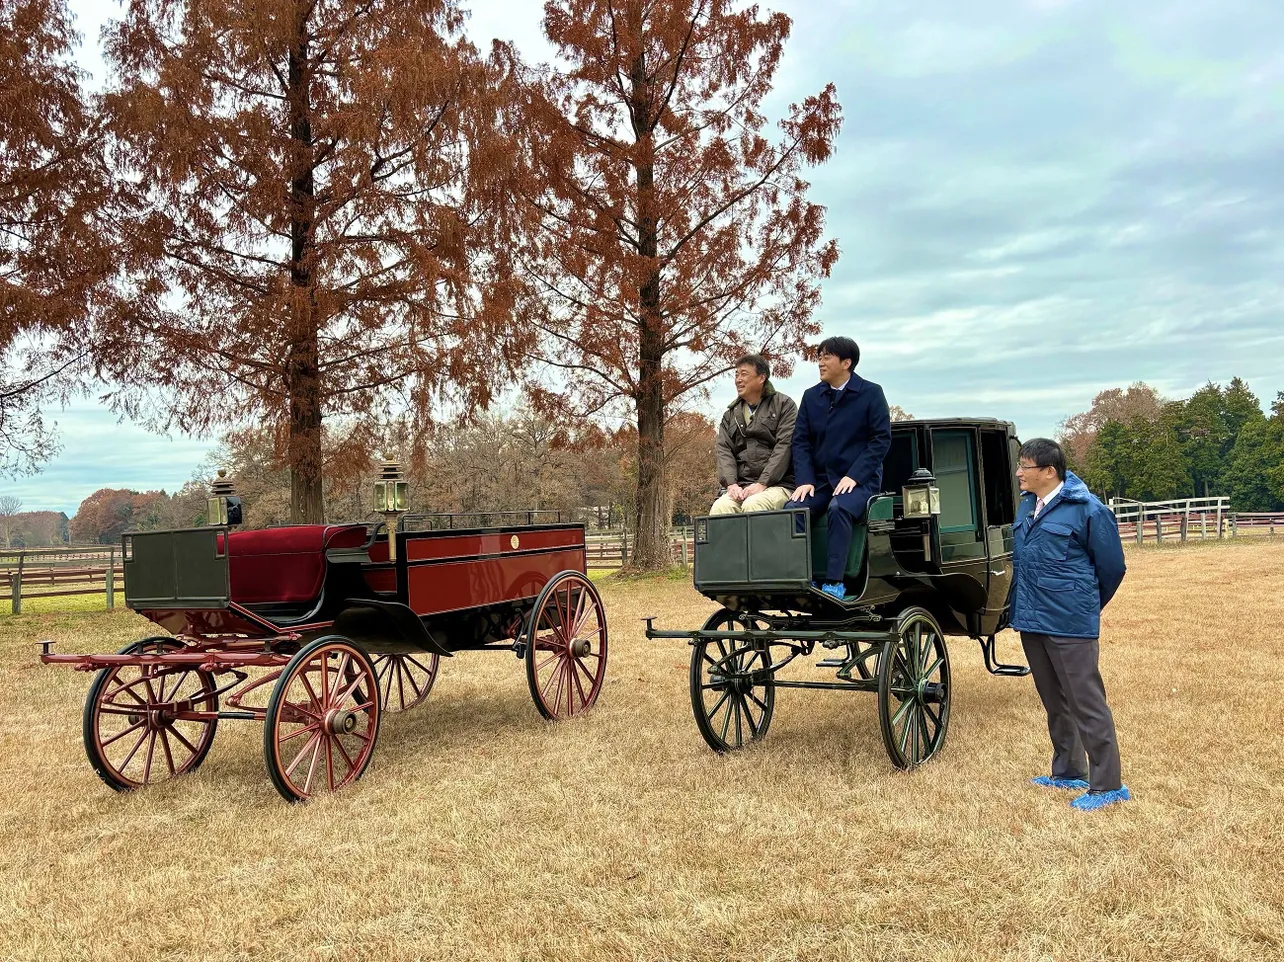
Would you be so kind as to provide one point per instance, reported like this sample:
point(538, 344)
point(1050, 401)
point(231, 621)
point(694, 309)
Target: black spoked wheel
point(867, 656)
point(730, 708)
point(914, 690)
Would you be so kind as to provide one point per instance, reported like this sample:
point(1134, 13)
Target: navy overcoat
point(844, 435)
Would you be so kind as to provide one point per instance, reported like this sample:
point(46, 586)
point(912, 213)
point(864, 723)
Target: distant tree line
point(1135, 443)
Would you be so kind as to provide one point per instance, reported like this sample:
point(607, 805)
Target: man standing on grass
point(843, 432)
point(753, 445)
point(1069, 563)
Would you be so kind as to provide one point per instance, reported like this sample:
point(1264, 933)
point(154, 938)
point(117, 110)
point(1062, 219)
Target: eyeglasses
point(1031, 467)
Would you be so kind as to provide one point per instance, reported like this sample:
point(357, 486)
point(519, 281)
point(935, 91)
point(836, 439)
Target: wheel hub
point(339, 722)
point(580, 647)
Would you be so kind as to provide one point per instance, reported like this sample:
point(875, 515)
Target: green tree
point(1103, 461)
point(1207, 438)
point(1256, 472)
point(1156, 469)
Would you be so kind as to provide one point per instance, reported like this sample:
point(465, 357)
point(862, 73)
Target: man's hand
point(753, 489)
point(845, 485)
point(736, 492)
point(803, 491)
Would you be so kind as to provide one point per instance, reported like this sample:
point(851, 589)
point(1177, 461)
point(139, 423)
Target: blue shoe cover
point(836, 590)
point(1056, 781)
point(1090, 801)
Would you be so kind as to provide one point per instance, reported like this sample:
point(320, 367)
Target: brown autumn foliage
point(1077, 432)
point(314, 198)
point(671, 226)
point(52, 256)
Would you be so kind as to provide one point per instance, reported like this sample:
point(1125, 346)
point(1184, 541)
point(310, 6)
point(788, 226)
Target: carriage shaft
point(208, 660)
point(775, 635)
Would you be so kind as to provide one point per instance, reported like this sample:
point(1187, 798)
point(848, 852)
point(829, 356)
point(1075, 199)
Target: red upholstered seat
point(285, 565)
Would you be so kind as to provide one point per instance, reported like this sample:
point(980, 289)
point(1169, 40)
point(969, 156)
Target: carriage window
point(1000, 507)
point(901, 460)
point(954, 464)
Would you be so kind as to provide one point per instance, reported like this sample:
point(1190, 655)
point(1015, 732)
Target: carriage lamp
point(921, 497)
point(392, 500)
point(223, 506)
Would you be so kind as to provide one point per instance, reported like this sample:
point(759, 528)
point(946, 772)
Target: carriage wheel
point(405, 680)
point(131, 735)
point(566, 646)
point(914, 690)
point(867, 655)
point(730, 713)
point(322, 719)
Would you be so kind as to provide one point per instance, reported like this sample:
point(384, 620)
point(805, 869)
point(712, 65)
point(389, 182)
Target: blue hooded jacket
point(1069, 562)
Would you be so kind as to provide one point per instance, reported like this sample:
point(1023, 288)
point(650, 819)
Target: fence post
point(624, 547)
point(1141, 522)
point(1219, 519)
point(1185, 523)
point(111, 579)
point(1203, 527)
point(16, 586)
point(1159, 528)
point(686, 563)
point(1232, 522)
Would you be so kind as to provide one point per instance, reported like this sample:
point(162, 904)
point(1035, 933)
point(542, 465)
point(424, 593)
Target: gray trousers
point(1070, 687)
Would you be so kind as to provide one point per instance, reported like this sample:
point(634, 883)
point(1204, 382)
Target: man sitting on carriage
point(754, 442)
point(841, 436)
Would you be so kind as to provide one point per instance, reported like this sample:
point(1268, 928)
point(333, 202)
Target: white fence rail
point(1190, 519)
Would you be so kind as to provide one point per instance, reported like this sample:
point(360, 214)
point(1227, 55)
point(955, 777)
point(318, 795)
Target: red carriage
point(347, 631)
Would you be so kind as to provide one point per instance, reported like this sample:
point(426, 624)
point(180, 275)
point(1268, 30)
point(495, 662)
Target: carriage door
point(998, 482)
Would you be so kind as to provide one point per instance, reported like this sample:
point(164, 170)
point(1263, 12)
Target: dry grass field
point(481, 832)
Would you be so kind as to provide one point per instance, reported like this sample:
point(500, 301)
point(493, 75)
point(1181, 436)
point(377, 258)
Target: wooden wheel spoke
point(289, 771)
point(312, 765)
point(905, 706)
point(340, 673)
point(151, 751)
point(905, 733)
point(121, 734)
point(169, 756)
point(133, 751)
point(297, 732)
point(318, 709)
point(173, 730)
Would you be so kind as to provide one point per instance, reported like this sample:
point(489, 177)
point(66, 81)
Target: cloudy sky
point(1036, 200)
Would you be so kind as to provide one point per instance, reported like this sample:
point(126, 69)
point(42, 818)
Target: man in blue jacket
point(1069, 562)
point(841, 435)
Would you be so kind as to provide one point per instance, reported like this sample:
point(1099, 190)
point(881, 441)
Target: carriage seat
point(285, 565)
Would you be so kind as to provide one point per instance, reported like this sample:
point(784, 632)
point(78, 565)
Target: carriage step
point(832, 663)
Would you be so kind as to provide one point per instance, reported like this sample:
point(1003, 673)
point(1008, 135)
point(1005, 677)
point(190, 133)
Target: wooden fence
point(1190, 519)
point(60, 572)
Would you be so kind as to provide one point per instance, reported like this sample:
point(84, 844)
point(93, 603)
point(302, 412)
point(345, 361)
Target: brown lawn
point(481, 832)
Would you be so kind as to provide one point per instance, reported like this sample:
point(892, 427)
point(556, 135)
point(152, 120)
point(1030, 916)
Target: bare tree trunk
point(303, 379)
point(651, 547)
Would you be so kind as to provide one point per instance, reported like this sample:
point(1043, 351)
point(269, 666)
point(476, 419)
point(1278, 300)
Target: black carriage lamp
point(392, 500)
point(920, 496)
point(223, 506)
point(921, 499)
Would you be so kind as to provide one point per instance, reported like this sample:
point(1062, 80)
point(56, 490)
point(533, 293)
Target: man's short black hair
point(759, 363)
point(1045, 453)
point(843, 348)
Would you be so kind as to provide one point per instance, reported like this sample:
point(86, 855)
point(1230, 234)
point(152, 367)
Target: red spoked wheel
point(322, 719)
point(133, 730)
point(405, 680)
point(566, 646)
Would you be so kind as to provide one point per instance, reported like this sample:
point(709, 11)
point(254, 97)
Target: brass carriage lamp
point(921, 498)
point(392, 500)
point(223, 506)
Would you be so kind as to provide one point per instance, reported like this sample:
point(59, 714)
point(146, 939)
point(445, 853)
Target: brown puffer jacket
point(760, 451)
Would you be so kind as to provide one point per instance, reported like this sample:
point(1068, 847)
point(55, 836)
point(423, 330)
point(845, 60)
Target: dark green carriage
point(913, 578)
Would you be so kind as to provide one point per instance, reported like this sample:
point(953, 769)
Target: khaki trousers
point(772, 499)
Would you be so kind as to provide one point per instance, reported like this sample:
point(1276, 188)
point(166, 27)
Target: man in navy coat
point(1068, 563)
point(841, 435)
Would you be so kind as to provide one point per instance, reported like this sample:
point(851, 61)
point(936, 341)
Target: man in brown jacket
point(754, 443)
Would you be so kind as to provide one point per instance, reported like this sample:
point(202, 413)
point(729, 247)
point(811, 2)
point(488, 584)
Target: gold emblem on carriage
point(514, 541)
